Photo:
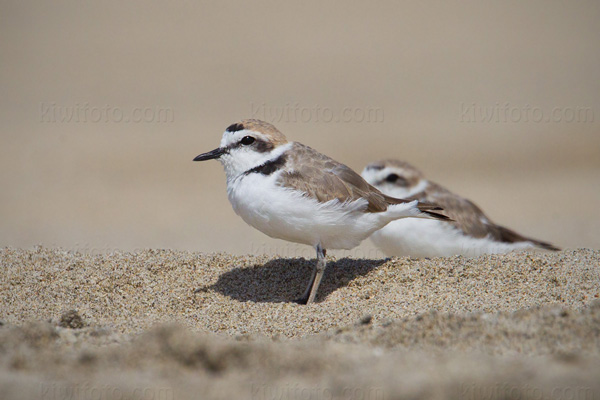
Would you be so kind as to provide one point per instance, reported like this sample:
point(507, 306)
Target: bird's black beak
point(211, 155)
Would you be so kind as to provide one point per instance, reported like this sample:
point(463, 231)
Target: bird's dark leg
point(311, 291)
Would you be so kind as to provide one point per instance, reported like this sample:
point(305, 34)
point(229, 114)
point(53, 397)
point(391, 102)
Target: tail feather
point(438, 216)
point(428, 208)
point(425, 208)
point(510, 236)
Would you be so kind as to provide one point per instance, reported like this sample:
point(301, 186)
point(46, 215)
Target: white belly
point(285, 214)
point(430, 238)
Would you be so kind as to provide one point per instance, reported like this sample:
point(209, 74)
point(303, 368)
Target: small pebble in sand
point(71, 319)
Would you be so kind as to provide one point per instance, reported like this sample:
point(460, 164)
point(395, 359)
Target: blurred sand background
point(96, 186)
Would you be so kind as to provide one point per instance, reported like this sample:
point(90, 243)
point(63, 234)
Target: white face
point(391, 181)
point(244, 150)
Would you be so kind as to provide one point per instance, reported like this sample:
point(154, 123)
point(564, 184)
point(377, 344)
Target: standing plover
point(289, 191)
point(471, 233)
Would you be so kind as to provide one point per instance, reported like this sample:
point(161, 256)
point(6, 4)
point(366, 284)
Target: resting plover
point(289, 191)
point(471, 233)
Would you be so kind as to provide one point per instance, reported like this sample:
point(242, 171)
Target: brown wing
point(466, 215)
point(326, 179)
point(471, 219)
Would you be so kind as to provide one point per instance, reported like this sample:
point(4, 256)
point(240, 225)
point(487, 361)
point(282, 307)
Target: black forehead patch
point(235, 127)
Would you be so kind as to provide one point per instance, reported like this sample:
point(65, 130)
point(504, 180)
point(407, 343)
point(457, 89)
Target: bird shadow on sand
point(285, 279)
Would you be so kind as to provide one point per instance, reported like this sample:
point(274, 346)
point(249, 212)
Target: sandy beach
point(181, 325)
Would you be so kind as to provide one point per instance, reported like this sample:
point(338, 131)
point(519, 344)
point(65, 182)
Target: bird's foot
point(301, 300)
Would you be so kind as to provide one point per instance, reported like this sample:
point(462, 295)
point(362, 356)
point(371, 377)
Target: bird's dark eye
point(246, 140)
point(397, 180)
point(392, 178)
